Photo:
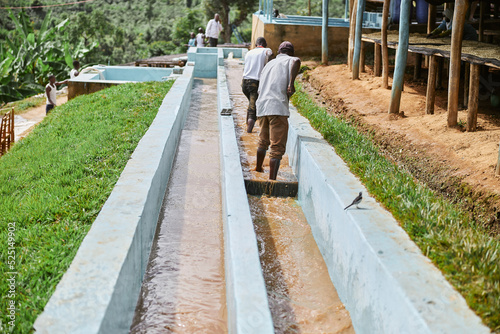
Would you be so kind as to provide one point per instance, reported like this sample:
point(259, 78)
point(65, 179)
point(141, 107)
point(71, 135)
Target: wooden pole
point(352, 28)
point(377, 61)
point(431, 86)
point(439, 76)
point(418, 66)
point(475, 71)
point(481, 21)
point(466, 84)
point(324, 34)
point(401, 56)
point(385, 49)
point(455, 58)
point(431, 19)
point(362, 58)
point(357, 39)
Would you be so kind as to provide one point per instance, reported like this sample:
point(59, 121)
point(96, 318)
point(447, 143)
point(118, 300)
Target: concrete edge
point(224, 104)
point(246, 295)
point(382, 277)
point(99, 292)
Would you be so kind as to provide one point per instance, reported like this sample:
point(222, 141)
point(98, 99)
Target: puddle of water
point(301, 295)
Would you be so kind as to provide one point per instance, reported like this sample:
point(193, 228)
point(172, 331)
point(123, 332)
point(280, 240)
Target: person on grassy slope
point(50, 93)
point(255, 60)
point(276, 85)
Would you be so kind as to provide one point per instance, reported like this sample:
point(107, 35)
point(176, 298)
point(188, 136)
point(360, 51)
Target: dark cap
point(286, 47)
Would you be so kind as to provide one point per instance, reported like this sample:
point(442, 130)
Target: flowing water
point(301, 295)
point(184, 288)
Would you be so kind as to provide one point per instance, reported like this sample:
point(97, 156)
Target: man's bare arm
point(294, 71)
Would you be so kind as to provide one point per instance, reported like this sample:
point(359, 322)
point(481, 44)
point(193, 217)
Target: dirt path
point(454, 162)
point(24, 123)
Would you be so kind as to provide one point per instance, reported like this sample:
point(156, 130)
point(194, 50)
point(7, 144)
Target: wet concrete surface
point(301, 295)
point(184, 288)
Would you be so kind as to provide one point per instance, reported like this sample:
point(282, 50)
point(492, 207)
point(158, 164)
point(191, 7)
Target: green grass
point(54, 182)
point(468, 257)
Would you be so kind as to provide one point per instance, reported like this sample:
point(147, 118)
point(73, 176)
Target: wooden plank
point(431, 86)
point(473, 97)
point(431, 18)
point(352, 27)
point(455, 57)
point(272, 188)
point(385, 49)
point(377, 61)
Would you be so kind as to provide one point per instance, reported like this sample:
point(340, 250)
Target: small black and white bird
point(356, 201)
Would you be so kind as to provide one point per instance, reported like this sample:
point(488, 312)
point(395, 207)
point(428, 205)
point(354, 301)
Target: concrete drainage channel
point(385, 282)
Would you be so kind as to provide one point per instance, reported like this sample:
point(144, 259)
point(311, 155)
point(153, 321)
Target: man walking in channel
point(214, 27)
point(276, 85)
point(255, 60)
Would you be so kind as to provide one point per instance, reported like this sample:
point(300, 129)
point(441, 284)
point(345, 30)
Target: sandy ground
point(24, 123)
point(468, 156)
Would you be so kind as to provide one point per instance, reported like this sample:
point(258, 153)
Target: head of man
point(286, 48)
point(261, 41)
point(200, 30)
point(52, 79)
point(191, 34)
point(216, 18)
point(276, 13)
point(76, 64)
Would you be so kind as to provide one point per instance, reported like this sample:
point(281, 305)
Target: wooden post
point(352, 28)
point(357, 39)
point(377, 61)
point(431, 86)
point(439, 75)
point(362, 58)
point(475, 71)
point(418, 66)
point(466, 84)
point(401, 56)
point(385, 49)
point(431, 19)
point(324, 34)
point(481, 20)
point(455, 58)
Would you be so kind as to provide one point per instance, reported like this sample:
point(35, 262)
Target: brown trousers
point(274, 132)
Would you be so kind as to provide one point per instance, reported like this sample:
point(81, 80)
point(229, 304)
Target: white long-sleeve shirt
point(213, 29)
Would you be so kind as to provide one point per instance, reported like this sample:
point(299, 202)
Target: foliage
point(30, 55)
point(54, 182)
point(465, 253)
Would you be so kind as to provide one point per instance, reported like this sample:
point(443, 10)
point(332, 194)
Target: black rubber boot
point(274, 165)
point(261, 155)
point(250, 124)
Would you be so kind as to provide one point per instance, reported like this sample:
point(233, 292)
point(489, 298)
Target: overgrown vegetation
point(54, 182)
point(465, 253)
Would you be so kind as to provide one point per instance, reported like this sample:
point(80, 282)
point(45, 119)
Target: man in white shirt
point(50, 93)
point(275, 88)
point(214, 27)
point(255, 60)
point(200, 38)
point(75, 71)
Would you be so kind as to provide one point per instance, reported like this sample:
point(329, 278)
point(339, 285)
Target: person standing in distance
point(255, 60)
point(76, 69)
point(214, 27)
point(50, 93)
point(200, 38)
point(276, 85)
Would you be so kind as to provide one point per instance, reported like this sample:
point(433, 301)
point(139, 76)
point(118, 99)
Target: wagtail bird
point(356, 201)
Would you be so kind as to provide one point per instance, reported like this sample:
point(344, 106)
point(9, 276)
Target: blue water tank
point(422, 9)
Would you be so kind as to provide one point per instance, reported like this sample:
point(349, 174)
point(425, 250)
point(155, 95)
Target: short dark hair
point(261, 41)
point(76, 63)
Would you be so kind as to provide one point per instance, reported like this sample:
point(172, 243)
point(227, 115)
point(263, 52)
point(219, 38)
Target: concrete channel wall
point(99, 292)
point(382, 277)
point(247, 305)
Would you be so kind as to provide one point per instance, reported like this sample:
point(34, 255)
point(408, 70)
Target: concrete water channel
point(181, 247)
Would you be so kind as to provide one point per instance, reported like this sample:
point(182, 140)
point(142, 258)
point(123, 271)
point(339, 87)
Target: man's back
point(255, 60)
point(274, 81)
